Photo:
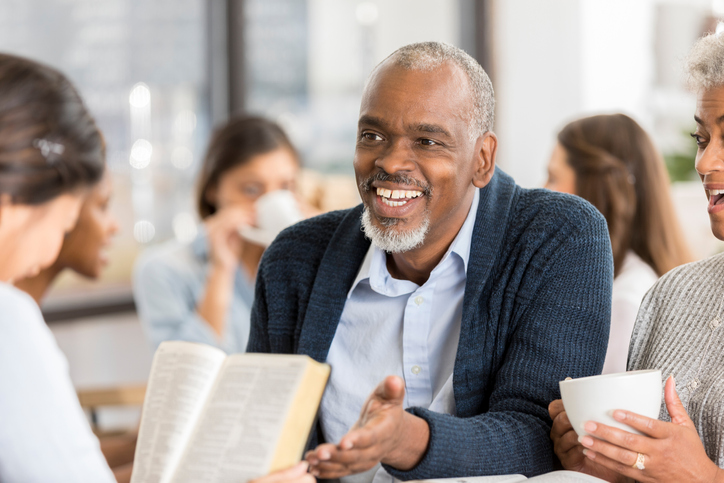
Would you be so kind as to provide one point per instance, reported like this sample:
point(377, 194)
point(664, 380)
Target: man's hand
point(570, 451)
point(385, 433)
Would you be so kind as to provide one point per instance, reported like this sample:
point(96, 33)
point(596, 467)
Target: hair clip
point(48, 147)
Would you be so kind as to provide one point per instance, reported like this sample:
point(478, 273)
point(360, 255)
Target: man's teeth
point(716, 192)
point(397, 195)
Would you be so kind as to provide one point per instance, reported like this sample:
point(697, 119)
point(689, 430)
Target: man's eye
point(370, 136)
point(428, 142)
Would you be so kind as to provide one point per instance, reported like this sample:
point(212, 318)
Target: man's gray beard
point(391, 240)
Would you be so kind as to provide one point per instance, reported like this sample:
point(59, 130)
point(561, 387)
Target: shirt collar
point(374, 265)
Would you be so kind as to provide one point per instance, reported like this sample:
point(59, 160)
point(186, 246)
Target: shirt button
point(714, 323)
point(416, 370)
point(419, 300)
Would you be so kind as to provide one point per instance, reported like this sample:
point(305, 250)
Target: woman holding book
point(680, 331)
point(51, 154)
point(203, 291)
point(610, 161)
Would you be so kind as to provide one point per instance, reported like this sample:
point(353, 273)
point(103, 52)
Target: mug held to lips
point(595, 398)
point(275, 211)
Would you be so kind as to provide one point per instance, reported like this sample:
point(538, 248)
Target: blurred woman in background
point(51, 153)
point(610, 161)
point(84, 248)
point(203, 291)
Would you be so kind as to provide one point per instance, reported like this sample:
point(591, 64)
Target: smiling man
point(450, 303)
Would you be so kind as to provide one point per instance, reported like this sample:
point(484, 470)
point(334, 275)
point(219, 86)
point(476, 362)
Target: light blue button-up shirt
point(396, 327)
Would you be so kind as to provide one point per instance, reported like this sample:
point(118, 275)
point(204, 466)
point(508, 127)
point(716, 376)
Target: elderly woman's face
point(709, 137)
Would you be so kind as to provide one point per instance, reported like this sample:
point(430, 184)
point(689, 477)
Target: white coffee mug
point(275, 211)
point(595, 398)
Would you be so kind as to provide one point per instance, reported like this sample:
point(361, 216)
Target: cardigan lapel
point(337, 271)
point(491, 223)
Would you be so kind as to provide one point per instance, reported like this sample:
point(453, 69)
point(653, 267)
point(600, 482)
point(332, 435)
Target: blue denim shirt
point(168, 283)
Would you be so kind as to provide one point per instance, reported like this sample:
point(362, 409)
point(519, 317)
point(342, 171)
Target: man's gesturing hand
point(385, 433)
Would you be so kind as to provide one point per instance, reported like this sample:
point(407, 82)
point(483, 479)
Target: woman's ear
point(486, 148)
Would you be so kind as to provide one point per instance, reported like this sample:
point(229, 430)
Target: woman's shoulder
point(684, 299)
point(171, 257)
point(23, 331)
point(14, 303)
point(683, 277)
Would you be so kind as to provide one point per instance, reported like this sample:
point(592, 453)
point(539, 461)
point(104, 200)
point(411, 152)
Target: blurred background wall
point(159, 74)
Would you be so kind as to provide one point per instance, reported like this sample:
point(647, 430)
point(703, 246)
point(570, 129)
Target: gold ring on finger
point(639, 462)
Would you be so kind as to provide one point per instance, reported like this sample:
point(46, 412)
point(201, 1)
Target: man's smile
point(397, 197)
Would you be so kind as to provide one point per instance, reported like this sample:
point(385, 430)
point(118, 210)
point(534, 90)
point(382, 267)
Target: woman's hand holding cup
point(650, 451)
point(225, 243)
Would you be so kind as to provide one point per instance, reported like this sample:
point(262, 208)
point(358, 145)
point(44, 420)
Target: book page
point(182, 375)
point(237, 433)
point(566, 477)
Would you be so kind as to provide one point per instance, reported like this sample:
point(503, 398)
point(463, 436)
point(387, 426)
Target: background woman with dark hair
point(51, 153)
point(203, 292)
point(610, 161)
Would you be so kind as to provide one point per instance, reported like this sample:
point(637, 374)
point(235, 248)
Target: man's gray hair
point(427, 56)
point(705, 64)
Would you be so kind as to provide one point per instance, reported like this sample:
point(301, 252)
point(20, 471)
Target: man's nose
point(712, 159)
point(397, 157)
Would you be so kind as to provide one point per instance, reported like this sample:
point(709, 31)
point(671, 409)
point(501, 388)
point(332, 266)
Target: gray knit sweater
point(680, 330)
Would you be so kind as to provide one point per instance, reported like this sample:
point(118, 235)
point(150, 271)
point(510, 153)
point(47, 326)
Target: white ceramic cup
point(595, 398)
point(275, 211)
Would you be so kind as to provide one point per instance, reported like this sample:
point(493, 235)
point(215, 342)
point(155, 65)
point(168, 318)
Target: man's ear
point(486, 148)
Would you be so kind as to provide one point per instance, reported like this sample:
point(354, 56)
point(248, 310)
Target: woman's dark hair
point(621, 173)
point(49, 143)
point(234, 144)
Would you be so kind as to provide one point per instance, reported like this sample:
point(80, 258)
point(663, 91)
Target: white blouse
point(629, 288)
point(44, 434)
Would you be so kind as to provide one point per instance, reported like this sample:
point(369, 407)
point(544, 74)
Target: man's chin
point(393, 235)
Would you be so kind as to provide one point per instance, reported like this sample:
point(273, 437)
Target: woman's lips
point(716, 203)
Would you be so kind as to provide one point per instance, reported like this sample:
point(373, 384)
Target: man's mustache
point(381, 175)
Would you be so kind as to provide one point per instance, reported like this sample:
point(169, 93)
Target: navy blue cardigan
point(536, 309)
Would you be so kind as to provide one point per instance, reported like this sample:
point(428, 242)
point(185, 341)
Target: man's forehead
point(429, 94)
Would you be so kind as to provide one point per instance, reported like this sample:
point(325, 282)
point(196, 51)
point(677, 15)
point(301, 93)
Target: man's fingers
point(323, 452)
point(361, 437)
point(345, 463)
point(566, 442)
point(353, 461)
point(555, 408)
point(391, 390)
point(561, 425)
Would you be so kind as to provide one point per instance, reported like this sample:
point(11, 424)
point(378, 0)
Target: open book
point(553, 477)
point(210, 418)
